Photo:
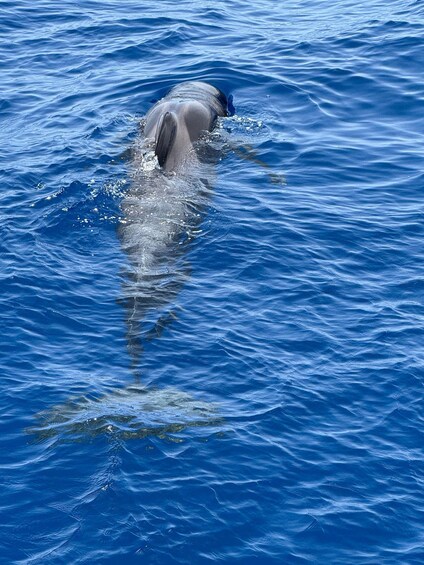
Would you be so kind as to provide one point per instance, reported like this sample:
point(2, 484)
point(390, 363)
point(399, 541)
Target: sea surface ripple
point(277, 412)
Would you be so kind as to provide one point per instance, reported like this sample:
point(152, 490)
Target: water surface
point(275, 414)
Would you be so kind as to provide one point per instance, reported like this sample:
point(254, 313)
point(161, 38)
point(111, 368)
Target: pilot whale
point(170, 180)
point(170, 184)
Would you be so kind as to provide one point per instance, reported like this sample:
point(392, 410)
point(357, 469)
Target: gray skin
point(163, 206)
point(178, 120)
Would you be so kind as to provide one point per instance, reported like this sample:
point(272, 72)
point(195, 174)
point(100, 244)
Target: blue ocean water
point(275, 414)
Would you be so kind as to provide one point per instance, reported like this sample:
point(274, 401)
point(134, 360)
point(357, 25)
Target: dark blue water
point(276, 414)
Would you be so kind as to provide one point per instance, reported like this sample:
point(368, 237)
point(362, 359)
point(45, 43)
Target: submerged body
point(164, 204)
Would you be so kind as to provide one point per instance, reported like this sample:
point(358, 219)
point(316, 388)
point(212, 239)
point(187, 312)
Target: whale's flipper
point(165, 137)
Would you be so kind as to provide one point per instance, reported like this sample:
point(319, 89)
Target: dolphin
point(178, 120)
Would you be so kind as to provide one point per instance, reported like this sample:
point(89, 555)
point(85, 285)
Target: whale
point(170, 180)
point(171, 177)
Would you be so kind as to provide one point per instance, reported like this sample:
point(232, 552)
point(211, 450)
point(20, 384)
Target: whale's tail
point(133, 412)
point(165, 136)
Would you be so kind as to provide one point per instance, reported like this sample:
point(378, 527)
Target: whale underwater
point(171, 174)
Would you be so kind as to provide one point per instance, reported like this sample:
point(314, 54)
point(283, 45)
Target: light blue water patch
point(264, 405)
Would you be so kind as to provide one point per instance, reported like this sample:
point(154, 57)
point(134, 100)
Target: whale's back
point(179, 119)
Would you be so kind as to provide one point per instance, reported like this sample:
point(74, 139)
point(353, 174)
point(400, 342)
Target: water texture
point(274, 410)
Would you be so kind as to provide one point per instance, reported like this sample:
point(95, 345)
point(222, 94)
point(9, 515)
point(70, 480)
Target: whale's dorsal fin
point(165, 136)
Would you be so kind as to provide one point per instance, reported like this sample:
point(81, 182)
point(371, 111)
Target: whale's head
point(203, 92)
point(180, 119)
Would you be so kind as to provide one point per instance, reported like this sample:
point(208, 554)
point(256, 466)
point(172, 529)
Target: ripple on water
point(278, 414)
